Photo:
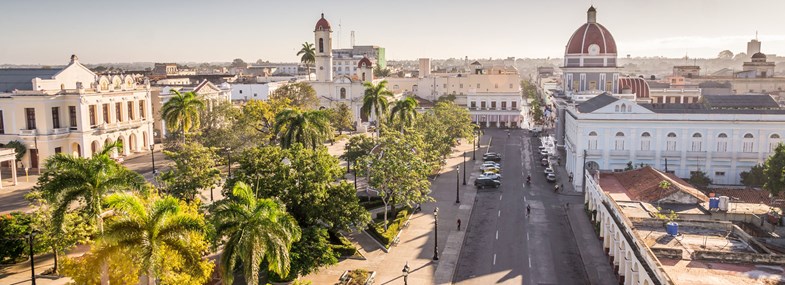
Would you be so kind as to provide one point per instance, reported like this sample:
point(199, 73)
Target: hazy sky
point(47, 32)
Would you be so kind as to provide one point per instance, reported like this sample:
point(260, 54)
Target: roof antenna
point(756, 35)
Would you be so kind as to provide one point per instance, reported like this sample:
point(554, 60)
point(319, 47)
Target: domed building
point(757, 67)
point(590, 60)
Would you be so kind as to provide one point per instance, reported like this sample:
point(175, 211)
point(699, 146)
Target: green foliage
point(754, 177)
point(669, 217)
point(341, 246)
point(254, 230)
point(18, 147)
point(86, 269)
point(380, 73)
point(629, 166)
point(375, 100)
point(530, 95)
point(13, 244)
point(341, 117)
point(358, 276)
point(446, 98)
point(163, 235)
point(182, 112)
point(312, 251)
point(404, 112)
point(773, 169)
point(68, 180)
point(309, 128)
point(76, 228)
point(386, 237)
point(699, 178)
point(238, 128)
point(301, 95)
point(308, 56)
point(357, 147)
point(195, 168)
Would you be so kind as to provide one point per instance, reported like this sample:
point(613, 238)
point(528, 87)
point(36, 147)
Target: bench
point(396, 240)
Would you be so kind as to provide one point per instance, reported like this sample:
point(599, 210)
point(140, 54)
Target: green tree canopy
point(195, 168)
point(404, 112)
point(375, 101)
point(699, 178)
point(754, 177)
point(341, 117)
point(307, 56)
point(182, 112)
point(300, 95)
point(773, 169)
point(309, 128)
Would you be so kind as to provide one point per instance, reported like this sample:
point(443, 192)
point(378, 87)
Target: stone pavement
point(594, 259)
point(416, 241)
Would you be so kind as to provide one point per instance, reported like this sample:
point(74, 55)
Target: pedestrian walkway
point(594, 259)
point(416, 245)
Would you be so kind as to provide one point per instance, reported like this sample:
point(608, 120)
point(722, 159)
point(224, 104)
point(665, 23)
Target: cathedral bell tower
point(324, 50)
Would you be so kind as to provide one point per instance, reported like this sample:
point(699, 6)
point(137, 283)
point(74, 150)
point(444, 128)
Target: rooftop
point(643, 184)
point(22, 78)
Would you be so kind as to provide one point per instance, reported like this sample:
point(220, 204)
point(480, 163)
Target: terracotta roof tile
point(642, 184)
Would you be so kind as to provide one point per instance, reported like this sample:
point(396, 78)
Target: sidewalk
point(594, 259)
point(417, 240)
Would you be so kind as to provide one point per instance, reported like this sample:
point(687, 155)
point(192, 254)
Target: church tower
point(365, 70)
point(324, 50)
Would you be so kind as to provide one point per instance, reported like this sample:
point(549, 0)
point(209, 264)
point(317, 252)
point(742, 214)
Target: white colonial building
point(720, 135)
point(72, 110)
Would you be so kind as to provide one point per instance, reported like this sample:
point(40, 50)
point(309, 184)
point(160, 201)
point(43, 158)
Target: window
point(774, 140)
point(461, 85)
point(493, 105)
point(671, 143)
point(617, 108)
point(92, 115)
point(58, 150)
point(510, 85)
point(645, 141)
point(445, 85)
point(722, 143)
point(478, 85)
point(2, 128)
point(619, 143)
point(719, 173)
point(72, 116)
point(592, 85)
point(504, 105)
point(343, 93)
point(496, 86)
point(321, 45)
point(130, 110)
point(514, 105)
point(241, 91)
point(748, 143)
point(56, 117)
point(106, 113)
point(697, 143)
point(482, 105)
point(118, 108)
point(30, 115)
point(473, 105)
point(592, 140)
point(142, 114)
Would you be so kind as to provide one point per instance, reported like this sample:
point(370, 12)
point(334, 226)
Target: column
point(13, 172)
point(1, 178)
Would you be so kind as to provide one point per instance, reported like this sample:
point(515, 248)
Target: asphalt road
point(503, 245)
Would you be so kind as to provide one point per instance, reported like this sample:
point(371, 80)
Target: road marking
point(524, 198)
point(497, 234)
point(500, 213)
point(494, 260)
point(527, 236)
point(530, 260)
point(500, 197)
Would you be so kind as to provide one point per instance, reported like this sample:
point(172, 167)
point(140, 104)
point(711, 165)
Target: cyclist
point(528, 210)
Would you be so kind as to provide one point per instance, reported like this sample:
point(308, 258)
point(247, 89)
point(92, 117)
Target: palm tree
point(310, 128)
point(71, 180)
point(375, 100)
point(257, 230)
point(405, 111)
point(152, 229)
point(182, 111)
point(308, 58)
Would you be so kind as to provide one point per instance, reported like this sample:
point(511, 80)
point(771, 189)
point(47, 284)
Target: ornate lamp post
point(458, 184)
point(464, 168)
point(436, 234)
point(405, 273)
point(30, 237)
point(152, 155)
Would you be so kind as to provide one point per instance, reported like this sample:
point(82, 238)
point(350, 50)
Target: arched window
point(617, 108)
point(619, 143)
point(748, 144)
point(363, 76)
point(722, 142)
point(697, 142)
point(774, 136)
point(671, 142)
point(645, 141)
point(592, 140)
point(321, 45)
point(623, 107)
point(629, 108)
point(343, 93)
point(774, 140)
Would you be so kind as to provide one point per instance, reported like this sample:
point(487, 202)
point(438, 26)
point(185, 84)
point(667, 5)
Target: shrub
point(13, 244)
point(358, 276)
point(386, 237)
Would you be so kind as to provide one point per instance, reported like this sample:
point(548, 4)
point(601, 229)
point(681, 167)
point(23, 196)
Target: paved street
point(502, 245)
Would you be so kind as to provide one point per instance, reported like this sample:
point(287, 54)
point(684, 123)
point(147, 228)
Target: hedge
point(386, 237)
point(341, 246)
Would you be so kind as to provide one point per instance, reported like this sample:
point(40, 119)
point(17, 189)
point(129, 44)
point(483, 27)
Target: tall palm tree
point(70, 180)
point(147, 228)
point(376, 100)
point(257, 230)
point(405, 111)
point(310, 128)
point(308, 57)
point(182, 111)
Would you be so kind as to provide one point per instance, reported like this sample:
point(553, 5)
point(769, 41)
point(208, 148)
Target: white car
point(492, 175)
point(549, 171)
point(491, 163)
point(551, 177)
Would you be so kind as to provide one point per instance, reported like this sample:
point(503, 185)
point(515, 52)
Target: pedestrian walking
point(459, 224)
point(570, 176)
point(561, 187)
point(528, 210)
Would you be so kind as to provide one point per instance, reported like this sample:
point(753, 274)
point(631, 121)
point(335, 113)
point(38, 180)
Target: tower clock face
point(594, 49)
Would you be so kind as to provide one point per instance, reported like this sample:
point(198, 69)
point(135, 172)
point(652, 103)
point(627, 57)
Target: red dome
point(365, 61)
point(322, 24)
point(588, 34)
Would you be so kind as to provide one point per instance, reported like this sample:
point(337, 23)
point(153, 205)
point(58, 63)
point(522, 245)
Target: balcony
point(671, 153)
point(722, 155)
point(60, 131)
point(620, 153)
point(747, 155)
point(644, 153)
point(593, 152)
point(32, 132)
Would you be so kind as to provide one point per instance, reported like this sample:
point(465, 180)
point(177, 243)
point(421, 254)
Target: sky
point(48, 32)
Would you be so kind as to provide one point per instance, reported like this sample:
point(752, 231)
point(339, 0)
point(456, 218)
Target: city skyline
point(202, 31)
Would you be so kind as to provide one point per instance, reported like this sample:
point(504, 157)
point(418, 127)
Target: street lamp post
point(436, 234)
point(457, 184)
point(32, 257)
point(464, 168)
point(152, 155)
point(229, 157)
point(406, 273)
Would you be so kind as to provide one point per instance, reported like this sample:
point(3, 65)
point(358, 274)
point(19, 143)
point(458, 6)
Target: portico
point(8, 155)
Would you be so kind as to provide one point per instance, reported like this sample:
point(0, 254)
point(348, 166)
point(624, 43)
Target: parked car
point(482, 182)
point(551, 177)
point(549, 171)
point(488, 168)
point(541, 148)
point(491, 163)
point(545, 162)
point(492, 156)
point(544, 153)
point(492, 175)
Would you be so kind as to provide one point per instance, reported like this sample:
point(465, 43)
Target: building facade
point(590, 60)
point(72, 110)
